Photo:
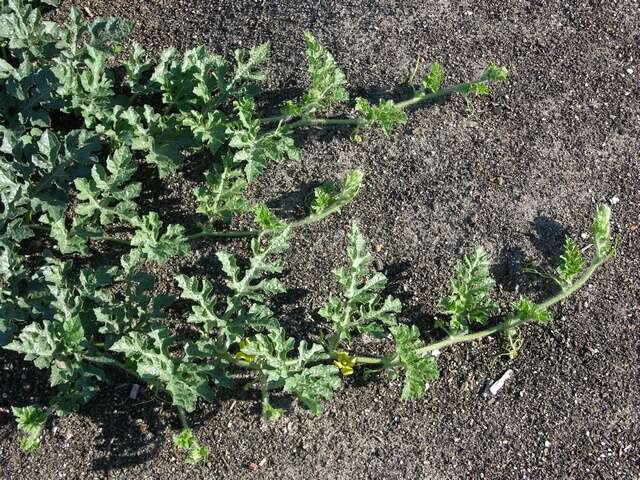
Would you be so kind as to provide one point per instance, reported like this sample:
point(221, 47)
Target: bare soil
point(516, 175)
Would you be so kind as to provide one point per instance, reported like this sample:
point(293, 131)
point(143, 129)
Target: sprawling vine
point(76, 137)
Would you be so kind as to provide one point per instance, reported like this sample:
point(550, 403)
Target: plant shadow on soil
point(128, 436)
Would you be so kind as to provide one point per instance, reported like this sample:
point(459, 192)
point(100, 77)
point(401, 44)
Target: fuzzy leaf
point(362, 307)
point(250, 285)
point(525, 309)
point(186, 440)
point(155, 246)
point(601, 232)
point(572, 264)
point(223, 196)
point(418, 370)
point(386, 114)
point(332, 197)
point(267, 220)
point(434, 80)
point(185, 381)
point(231, 324)
point(270, 352)
point(256, 150)
point(327, 81)
point(135, 67)
point(189, 83)
point(30, 420)
point(247, 67)
point(37, 343)
point(208, 128)
point(314, 385)
point(269, 412)
point(106, 194)
point(494, 73)
point(469, 301)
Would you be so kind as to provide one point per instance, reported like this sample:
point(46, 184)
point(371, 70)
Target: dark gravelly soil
point(516, 175)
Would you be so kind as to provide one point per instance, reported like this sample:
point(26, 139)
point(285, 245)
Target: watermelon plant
point(83, 142)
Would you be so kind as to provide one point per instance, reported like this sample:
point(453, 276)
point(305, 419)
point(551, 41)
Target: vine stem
point(308, 220)
point(112, 362)
point(419, 97)
point(219, 234)
point(512, 321)
point(509, 323)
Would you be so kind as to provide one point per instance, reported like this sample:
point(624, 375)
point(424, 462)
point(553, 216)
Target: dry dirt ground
point(516, 175)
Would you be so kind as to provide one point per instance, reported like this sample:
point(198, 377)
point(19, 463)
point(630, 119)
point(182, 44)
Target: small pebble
point(547, 444)
point(629, 71)
point(614, 200)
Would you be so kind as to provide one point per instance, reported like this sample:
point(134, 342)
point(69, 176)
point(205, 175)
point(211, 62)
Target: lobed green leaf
point(469, 301)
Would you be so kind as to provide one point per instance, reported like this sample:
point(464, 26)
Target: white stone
point(498, 384)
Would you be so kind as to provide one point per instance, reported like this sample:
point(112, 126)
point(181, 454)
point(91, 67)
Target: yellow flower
point(245, 342)
point(345, 363)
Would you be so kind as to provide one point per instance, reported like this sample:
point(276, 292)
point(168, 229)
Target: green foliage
point(361, 307)
point(418, 369)
point(163, 138)
point(525, 309)
point(601, 232)
point(186, 440)
point(386, 114)
point(434, 79)
point(514, 340)
point(223, 195)
point(572, 264)
point(330, 197)
point(154, 245)
point(57, 338)
point(255, 150)
point(186, 381)
point(266, 219)
point(69, 240)
point(269, 412)
point(31, 420)
point(469, 301)
point(480, 87)
point(80, 143)
point(494, 73)
point(188, 83)
point(250, 285)
point(28, 37)
point(314, 385)
point(135, 67)
point(106, 194)
point(327, 82)
point(247, 65)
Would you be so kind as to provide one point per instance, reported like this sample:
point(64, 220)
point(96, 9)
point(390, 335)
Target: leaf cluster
point(470, 299)
point(360, 308)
